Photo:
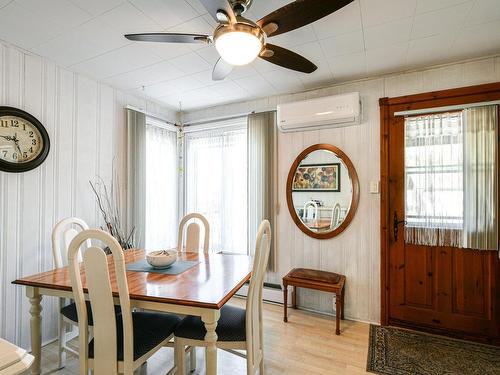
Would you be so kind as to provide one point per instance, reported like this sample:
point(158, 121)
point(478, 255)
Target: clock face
point(24, 142)
point(20, 140)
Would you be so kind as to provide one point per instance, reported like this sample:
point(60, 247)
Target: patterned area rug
point(401, 352)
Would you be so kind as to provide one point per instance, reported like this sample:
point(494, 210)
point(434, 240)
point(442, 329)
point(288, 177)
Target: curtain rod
point(149, 114)
point(223, 118)
point(444, 109)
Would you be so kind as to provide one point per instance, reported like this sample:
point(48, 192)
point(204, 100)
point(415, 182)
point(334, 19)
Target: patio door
point(439, 287)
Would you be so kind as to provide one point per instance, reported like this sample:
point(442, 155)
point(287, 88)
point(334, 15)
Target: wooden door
point(439, 289)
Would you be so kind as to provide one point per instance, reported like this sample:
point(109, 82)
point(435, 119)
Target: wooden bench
point(318, 280)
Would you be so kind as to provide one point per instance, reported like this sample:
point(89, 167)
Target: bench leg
point(338, 305)
point(294, 298)
point(285, 303)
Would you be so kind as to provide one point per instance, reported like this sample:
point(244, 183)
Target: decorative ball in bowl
point(161, 259)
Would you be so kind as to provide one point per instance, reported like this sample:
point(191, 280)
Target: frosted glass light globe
point(238, 48)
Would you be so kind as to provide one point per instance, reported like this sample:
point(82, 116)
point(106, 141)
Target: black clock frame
point(32, 164)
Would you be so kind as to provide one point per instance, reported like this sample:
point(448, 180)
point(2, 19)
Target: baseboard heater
point(271, 293)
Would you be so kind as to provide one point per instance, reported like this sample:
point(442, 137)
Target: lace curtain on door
point(451, 179)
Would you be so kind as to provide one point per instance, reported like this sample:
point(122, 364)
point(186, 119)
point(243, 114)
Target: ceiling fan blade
point(215, 6)
point(287, 59)
point(300, 13)
point(168, 38)
point(221, 70)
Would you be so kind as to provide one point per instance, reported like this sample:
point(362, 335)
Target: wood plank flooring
point(307, 344)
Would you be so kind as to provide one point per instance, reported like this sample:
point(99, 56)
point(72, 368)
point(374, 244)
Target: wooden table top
point(211, 283)
point(319, 224)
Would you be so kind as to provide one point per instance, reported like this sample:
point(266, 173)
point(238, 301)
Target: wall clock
point(24, 142)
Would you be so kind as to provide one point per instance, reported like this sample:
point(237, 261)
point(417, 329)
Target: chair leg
point(261, 367)
point(61, 342)
point(180, 358)
point(192, 359)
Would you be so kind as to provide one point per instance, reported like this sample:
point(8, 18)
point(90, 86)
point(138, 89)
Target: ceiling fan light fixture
point(239, 44)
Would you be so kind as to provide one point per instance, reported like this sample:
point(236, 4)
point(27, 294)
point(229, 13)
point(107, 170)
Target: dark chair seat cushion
point(230, 327)
point(150, 329)
point(70, 312)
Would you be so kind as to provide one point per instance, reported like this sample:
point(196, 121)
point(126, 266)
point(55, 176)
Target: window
point(162, 186)
point(216, 184)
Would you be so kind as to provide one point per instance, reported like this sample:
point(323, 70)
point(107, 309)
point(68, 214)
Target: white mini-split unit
point(321, 113)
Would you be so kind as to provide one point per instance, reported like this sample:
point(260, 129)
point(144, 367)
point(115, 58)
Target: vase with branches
point(108, 201)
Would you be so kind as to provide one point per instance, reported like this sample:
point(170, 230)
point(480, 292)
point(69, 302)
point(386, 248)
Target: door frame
point(388, 106)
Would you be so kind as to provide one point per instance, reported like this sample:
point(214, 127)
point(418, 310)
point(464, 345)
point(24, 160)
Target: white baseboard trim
point(273, 295)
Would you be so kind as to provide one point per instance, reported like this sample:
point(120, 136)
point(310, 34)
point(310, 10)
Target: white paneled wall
point(355, 252)
point(85, 121)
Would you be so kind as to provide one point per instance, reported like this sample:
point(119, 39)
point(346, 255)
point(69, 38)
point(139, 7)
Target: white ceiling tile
point(477, 41)
point(375, 12)
point(4, 3)
point(205, 77)
point(209, 54)
point(294, 38)
point(311, 51)
point(178, 85)
point(388, 33)
point(127, 19)
point(430, 50)
point(263, 66)
point(387, 59)
point(284, 80)
point(81, 43)
point(190, 63)
point(24, 27)
point(351, 66)
point(484, 11)
point(147, 76)
point(447, 20)
point(343, 21)
point(228, 89)
point(343, 44)
point(96, 7)
point(167, 13)
point(198, 25)
point(168, 51)
point(430, 5)
point(61, 12)
point(256, 85)
point(261, 8)
point(118, 61)
point(197, 5)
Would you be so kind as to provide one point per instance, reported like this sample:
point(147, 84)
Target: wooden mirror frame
point(355, 191)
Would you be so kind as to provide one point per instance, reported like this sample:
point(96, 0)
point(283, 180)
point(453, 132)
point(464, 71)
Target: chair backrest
point(100, 293)
point(254, 335)
point(335, 216)
point(193, 233)
point(62, 234)
point(310, 210)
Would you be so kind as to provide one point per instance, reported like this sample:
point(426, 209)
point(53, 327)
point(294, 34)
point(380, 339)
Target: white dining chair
point(335, 216)
point(62, 234)
point(310, 211)
point(237, 329)
point(122, 342)
point(193, 233)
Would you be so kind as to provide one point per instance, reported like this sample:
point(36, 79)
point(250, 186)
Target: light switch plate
point(374, 187)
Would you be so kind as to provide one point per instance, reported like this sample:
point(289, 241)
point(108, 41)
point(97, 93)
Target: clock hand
point(7, 137)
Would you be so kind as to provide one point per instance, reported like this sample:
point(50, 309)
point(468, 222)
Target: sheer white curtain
point(161, 188)
point(216, 184)
point(434, 179)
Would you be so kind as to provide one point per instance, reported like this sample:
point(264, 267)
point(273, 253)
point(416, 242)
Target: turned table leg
point(35, 323)
point(343, 305)
point(210, 321)
point(285, 303)
point(338, 307)
point(294, 297)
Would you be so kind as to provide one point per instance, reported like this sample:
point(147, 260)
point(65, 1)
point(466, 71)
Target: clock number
point(33, 142)
point(31, 149)
point(25, 155)
point(31, 133)
point(14, 156)
point(4, 153)
point(4, 123)
point(24, 126)
point(14, 123)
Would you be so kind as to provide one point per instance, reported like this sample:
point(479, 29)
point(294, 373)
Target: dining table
point(201, 291)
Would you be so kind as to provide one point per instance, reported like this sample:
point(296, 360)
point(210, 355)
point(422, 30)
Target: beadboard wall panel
point(85, 121)
point(356, 251)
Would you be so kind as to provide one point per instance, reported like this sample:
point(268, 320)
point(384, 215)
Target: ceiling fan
point(239, 40)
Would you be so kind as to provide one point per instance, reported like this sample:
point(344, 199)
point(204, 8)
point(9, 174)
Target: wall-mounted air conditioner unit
point(314, 114)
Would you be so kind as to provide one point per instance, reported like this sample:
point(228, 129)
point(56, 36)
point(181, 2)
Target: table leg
point(210, 320)
point(338, 304)
point(343, 305)
point(35, 323)
point(285, 303)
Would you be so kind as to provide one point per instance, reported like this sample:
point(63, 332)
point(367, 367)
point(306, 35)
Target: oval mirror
point(322, 191)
